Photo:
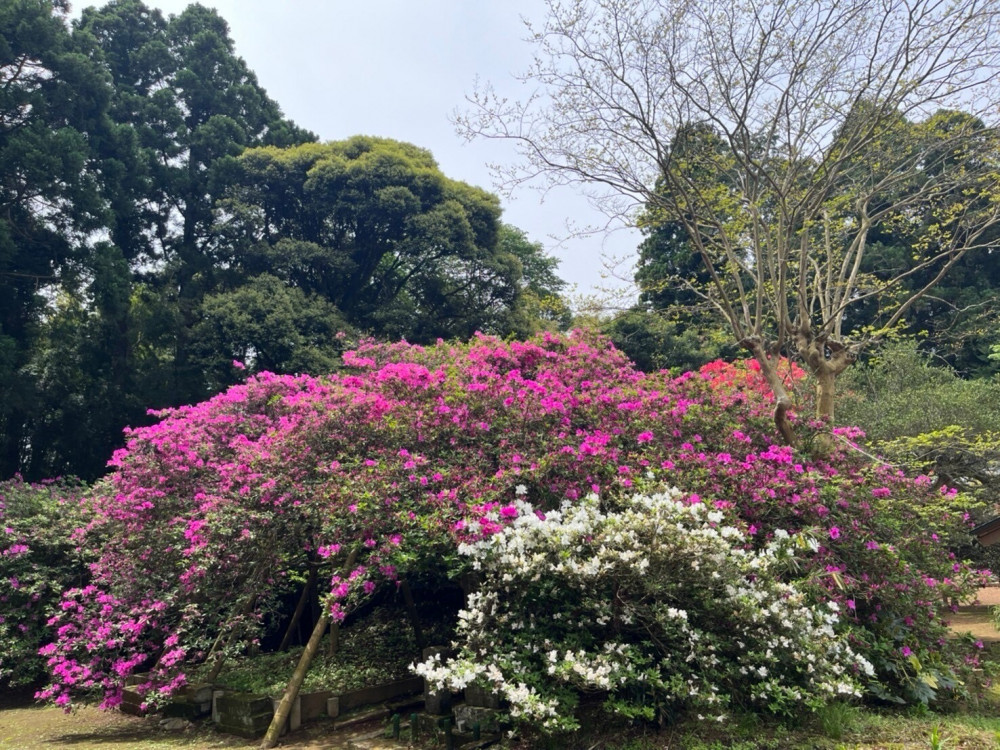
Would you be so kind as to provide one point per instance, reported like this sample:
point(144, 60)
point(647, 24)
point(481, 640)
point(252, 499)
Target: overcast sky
point(400, 69)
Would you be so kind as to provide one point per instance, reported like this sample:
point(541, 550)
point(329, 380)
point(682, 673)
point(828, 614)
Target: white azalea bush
point(659, 603)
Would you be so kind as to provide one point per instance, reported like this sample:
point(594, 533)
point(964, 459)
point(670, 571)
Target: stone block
point(370, 696)
point(488, 719)
point(477, 696)
point(216, 694)
point(244, 714)
point(438, 702)
point(314, 705)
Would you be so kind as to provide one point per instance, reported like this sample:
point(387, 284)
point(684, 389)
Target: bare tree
point(780, 135)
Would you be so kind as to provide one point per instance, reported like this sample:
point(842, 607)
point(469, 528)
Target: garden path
point(977, 618)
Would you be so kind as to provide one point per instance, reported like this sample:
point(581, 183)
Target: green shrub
point(38, 560)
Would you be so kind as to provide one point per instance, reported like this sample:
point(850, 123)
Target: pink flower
point(834, 532)
point(239, 365)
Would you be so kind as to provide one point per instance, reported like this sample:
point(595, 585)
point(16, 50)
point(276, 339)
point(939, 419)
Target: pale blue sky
point(399, 69)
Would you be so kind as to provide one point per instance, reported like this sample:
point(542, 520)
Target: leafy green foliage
point(540, 304)
point(38, 560)
point(266, 325)
point(657, 341)
point(376, 648)
point(926, 418)
point(52, 97)
point(373, 227)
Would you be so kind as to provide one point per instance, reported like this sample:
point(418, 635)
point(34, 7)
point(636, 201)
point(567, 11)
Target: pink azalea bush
point(410, 451)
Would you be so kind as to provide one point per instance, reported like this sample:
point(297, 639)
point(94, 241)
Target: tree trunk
point(299, 675)
point(334, 643)
point(826, 359)
point(299, 608)
point(826, 391)
point(411, 610)
point(783, 401)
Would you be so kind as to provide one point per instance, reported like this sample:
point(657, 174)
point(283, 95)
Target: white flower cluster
point(661, 596)
point(525, 702)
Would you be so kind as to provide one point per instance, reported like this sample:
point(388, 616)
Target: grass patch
point(841, 726)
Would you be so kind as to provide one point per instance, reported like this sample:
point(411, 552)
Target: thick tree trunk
point(826, 358)
point(411, 610)
point(334, 643)
point(826, 391)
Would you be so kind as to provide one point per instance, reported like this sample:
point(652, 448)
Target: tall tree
point(825, 116)
point(183, 100)
point(957, 317)
point(373, 227)
point(130, 113)
point(51, 96)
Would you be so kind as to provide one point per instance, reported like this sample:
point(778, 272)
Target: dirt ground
point(977, 618)
point(25, 726)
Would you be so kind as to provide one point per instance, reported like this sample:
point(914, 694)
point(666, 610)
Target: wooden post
point(298, 677)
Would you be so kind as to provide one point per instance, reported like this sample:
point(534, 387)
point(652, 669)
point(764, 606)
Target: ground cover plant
point(376, 648)
point(383, 470)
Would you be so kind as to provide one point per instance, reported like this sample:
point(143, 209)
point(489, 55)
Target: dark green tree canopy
point(184, 99)
point(373, 226)
point(52, 97)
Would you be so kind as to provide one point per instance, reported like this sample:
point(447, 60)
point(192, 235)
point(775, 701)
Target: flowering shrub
point(660, 603)
point(410, 451)
point(38, 561)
